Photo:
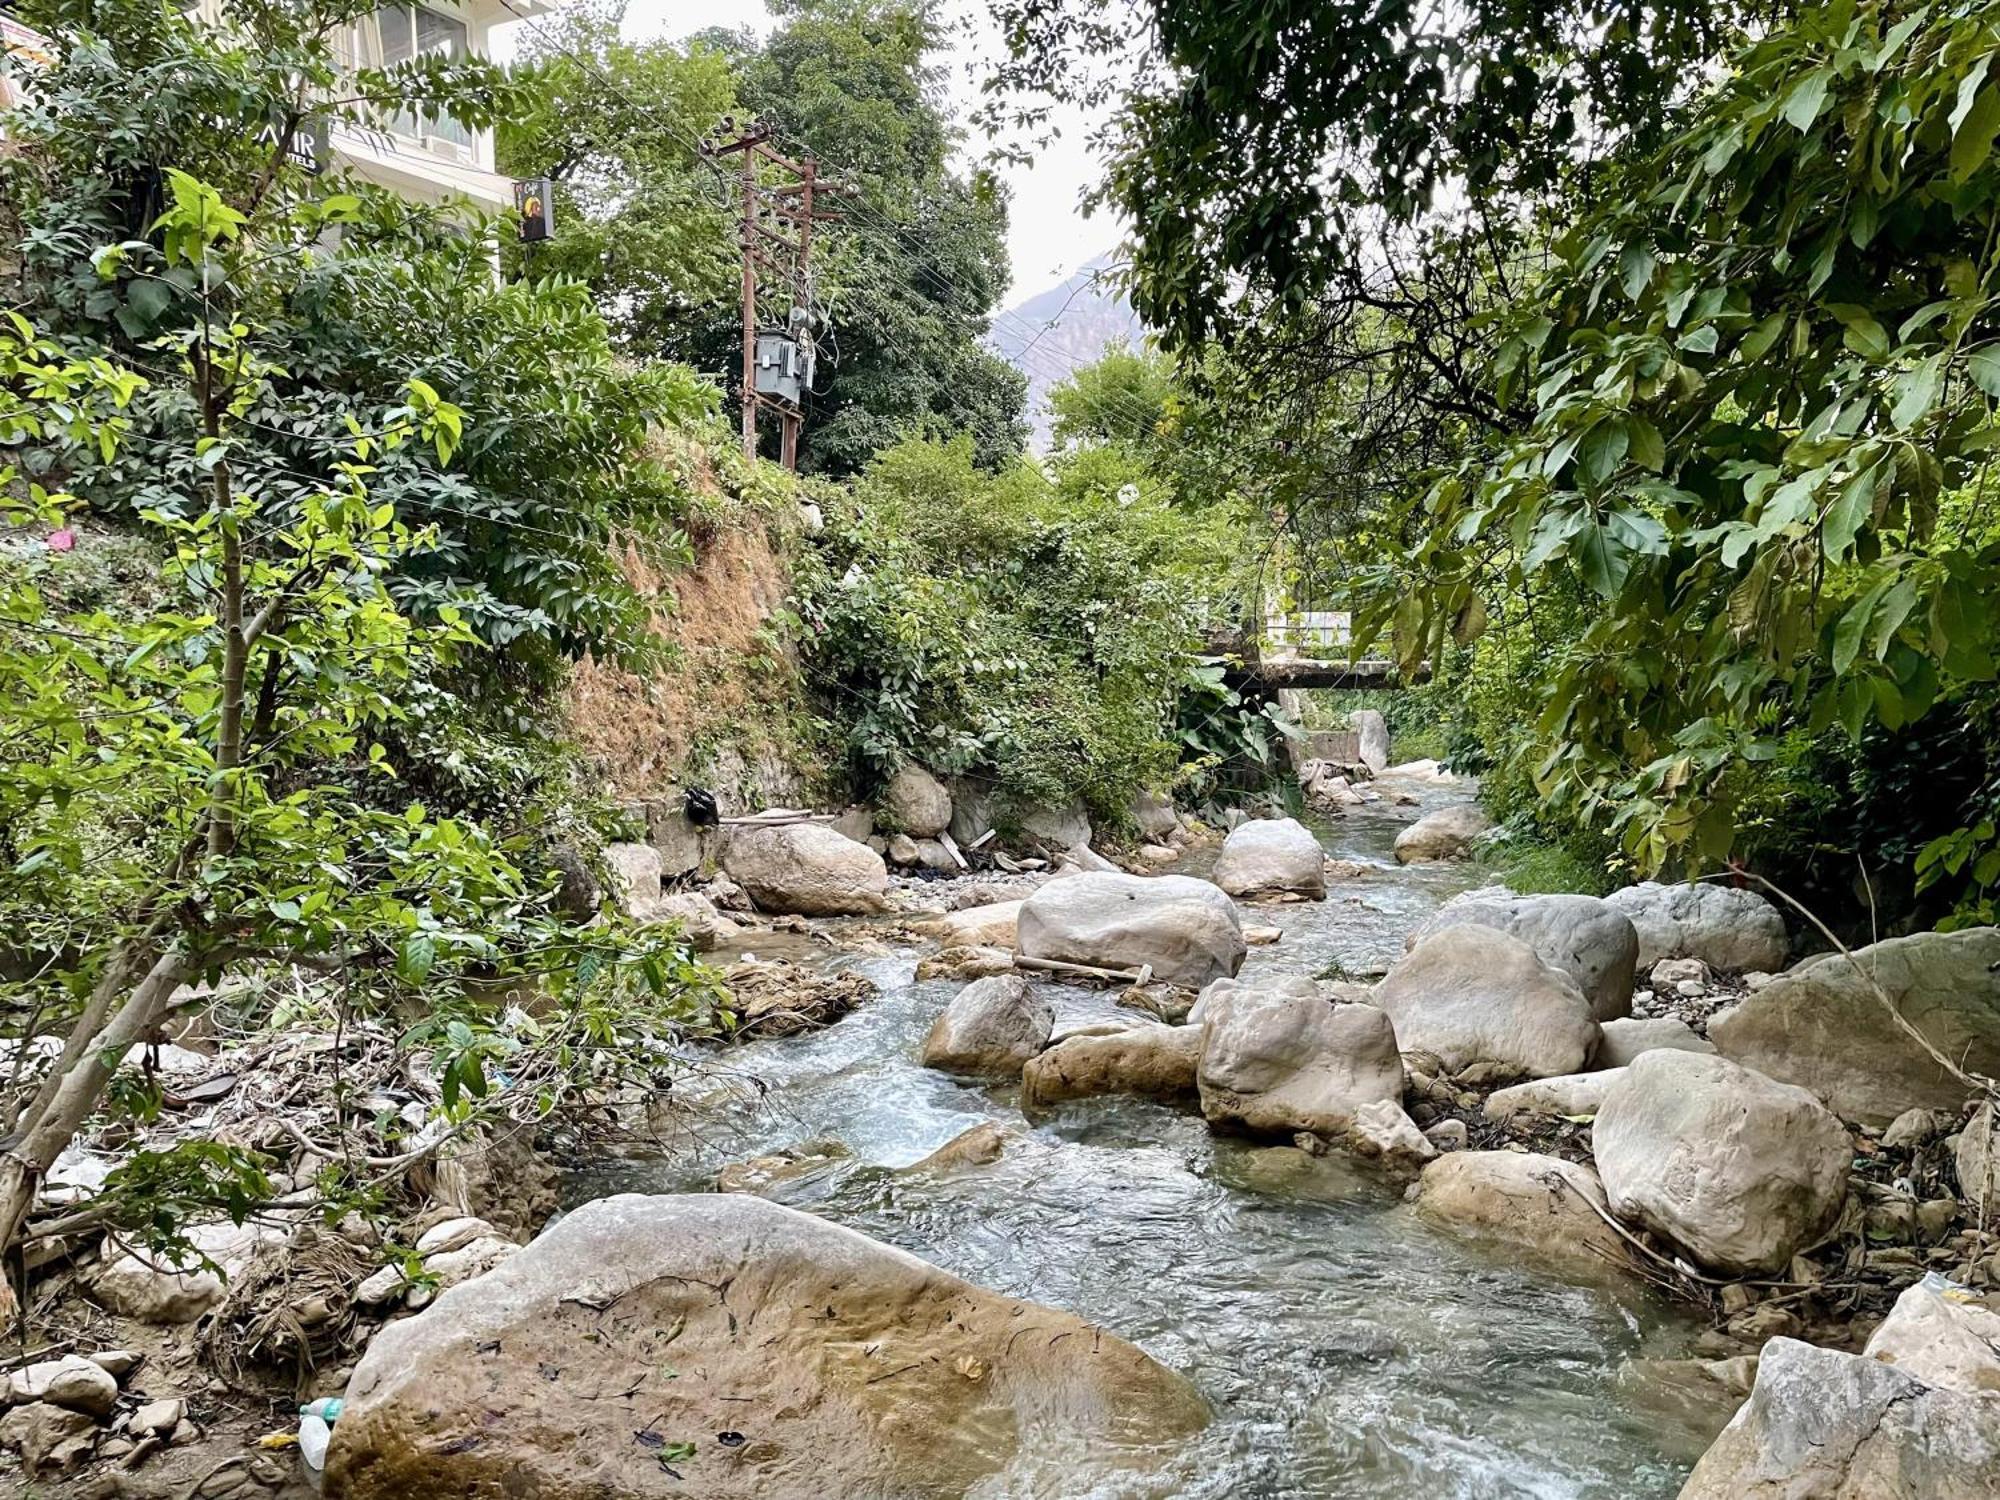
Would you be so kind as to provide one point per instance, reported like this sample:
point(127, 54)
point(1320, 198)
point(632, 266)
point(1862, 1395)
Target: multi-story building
point(424, 158)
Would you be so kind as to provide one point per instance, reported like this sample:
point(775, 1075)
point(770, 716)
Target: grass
point(1535, 868)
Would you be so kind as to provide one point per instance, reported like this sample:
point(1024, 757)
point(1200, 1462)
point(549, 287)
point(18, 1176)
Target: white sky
point(1048, 236)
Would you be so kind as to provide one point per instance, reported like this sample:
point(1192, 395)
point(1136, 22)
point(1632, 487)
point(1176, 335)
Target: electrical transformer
point(784, 366)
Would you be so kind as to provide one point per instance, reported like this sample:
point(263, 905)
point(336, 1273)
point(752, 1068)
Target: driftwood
point(951, 848)
point(779, 818)
point(1141, 975)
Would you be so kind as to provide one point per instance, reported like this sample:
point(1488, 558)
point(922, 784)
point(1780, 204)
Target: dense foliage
point(556, 463)
point(1035, 632)
point(1751, 496)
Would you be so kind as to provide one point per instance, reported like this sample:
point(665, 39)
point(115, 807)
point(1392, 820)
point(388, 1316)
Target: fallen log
point(1141, 975)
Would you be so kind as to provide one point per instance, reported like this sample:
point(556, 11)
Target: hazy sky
point(1048, 237)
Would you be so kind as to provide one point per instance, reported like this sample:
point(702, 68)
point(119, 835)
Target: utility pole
point(777, 360)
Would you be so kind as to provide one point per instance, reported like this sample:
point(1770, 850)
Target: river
point(1349, 1350)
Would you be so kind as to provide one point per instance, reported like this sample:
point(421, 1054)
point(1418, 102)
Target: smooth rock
point(1448, 833)
point(1823, 1027)
point(777, 1169)
point(1725, 928)
point(1186, 930)
point(157, 1289)
point(1942, 1338)
point(1669, 972)
point(1471, 1000)
point(981, 926)
point(120, 1362)
point(851, 1367)
point(903, 850)
point(1155, 1061)
point(1738, 1170)
point(1373, 732)
point(980, 1146)
point(1567, 1095)
point(1269, 856)
point(1622, 1040)
point(635, 878)
point(706, 927)
point(452, 1234)
point(1541, 1206)
point(157, 1417)
point(807, 869)
point(1588, 939)
point(990, 1029)
point(1823, 1425)
point(1057, 827)
point(1276, 1059)
point(915, 802)
point(71, 1382)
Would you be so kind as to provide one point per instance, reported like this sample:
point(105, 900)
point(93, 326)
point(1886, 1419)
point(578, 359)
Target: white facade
point(429, 161)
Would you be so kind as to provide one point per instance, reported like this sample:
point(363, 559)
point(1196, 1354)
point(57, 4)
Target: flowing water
point(1349, 1351)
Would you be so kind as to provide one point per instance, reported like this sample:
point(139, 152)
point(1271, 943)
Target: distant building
point(426, 159)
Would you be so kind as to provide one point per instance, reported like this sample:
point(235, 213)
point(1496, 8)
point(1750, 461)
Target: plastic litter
point(316, 1421)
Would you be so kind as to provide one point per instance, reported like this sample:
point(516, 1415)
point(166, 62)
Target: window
point(412, 31)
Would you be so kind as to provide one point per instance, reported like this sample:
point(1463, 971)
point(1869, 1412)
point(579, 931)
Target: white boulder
point(1188, 931)
point(1473, 1002)
point(1740, 1171)
point(1728, 929)
point(1281, 1061)
point(1448, 833)
point(915, 802)
point(1588, 939)
point(806, 869)
point(1272, 856)
point(991, 1028)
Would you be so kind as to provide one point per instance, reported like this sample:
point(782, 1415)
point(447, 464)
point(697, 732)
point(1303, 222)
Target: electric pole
point(776, 214)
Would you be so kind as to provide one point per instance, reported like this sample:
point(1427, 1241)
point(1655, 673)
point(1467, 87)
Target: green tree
point(560, 460)
point(1762, 378)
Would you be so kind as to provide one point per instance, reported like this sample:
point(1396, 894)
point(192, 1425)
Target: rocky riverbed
point(1376, 1180)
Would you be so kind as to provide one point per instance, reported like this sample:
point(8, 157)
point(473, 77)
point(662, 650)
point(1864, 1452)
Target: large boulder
point(160, 1289)
point(757, 1352)
point(807, 869)
point(1942, 1339)
point(1737, 931)
point(1620, 1041)
point(1272, 856)
point(1448, 833)
point(915, 802)
point(1373, 732)
point(1277, 1060)
point(1187, 930)
point(1472, 1001)
point(1155, 1061)
point(990, 1029)
point(1542, 1206)
point(1824, 1027)
point(1740, 1171)
point(1155, 815)
point(1823, 1425)
point(1588, 939)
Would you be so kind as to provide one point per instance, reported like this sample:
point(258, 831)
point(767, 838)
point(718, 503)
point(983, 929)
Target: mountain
point(1056, 332)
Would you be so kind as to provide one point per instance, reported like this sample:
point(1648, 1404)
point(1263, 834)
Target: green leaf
point(1601, 559)
point(1802, 103)
point(1982, 368)
point(1852, 627)
point(1863, 334)
point(1648, 449)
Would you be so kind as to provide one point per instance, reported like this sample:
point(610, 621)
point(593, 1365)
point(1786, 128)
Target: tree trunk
point(73, 1093)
